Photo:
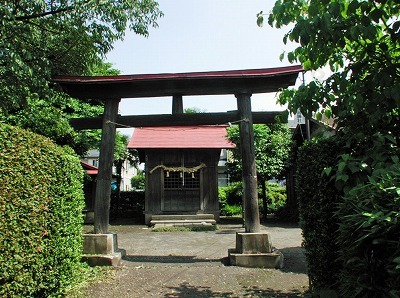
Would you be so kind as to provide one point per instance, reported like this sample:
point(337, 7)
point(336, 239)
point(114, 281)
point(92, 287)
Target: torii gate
point(241, 83)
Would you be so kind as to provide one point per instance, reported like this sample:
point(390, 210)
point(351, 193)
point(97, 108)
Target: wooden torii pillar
point(103, 187)
point(249, 174)
point(177, 104)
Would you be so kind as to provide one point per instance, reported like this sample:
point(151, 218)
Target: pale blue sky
point(206, 35)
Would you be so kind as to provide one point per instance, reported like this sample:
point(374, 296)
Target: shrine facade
point(181, 168)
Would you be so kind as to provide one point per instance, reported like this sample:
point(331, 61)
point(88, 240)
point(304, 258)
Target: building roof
point(180, 137)
point(168, 84)
point(90, 170)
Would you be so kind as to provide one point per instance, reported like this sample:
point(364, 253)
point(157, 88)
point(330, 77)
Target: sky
point(206, 35)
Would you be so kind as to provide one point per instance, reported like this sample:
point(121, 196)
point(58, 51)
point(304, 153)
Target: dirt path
point(192, 264)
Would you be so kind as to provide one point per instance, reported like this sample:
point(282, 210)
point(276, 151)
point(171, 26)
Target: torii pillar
point(101, 248)
point(104, 177)
point(249, 174)
point(253, 247)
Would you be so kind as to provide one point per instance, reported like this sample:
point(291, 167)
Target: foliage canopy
point(40, 39)
point(359, 40)
point(272, 145)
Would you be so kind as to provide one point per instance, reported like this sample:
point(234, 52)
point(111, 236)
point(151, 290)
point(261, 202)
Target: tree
point(359, 41)
point(194, 110)
point(272, 145)
point(138, 181)
point(39, 39)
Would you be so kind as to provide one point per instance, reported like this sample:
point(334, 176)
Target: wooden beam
point(177, 104)
point(103, 186)
point(195, 83)
point(175, 120)
point(249, 174)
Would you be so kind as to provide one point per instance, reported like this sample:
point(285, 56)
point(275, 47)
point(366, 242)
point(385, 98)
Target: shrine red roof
point(180, 137)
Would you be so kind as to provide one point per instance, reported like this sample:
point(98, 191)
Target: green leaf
point(328, 113)
point(307, 65)
point(341, 166)
point(396, 260)
point(327, 171)
point(376, 14)
point(260, 19)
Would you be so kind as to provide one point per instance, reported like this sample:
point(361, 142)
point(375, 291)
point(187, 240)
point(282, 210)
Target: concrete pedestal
point(255, 250)
point(102, 250)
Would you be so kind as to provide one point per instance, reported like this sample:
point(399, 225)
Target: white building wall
point(128, 170)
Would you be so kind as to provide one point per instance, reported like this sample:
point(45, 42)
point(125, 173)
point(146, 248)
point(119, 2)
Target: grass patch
point(90, 276)
point(185, 229)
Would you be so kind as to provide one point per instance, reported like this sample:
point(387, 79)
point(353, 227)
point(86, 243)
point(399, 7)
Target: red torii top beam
point(169, 84)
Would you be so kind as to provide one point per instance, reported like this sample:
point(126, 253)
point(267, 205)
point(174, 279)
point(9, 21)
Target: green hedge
point(317, 197)
point(41, 202)
point(369, 235)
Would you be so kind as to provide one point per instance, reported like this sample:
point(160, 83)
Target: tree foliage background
point(272, 144)
point(40, 39)
point(359, 42)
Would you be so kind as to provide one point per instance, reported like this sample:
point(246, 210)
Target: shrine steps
point(179, 220)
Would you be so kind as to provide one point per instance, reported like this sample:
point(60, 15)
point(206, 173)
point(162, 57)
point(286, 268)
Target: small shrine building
point(181, 168)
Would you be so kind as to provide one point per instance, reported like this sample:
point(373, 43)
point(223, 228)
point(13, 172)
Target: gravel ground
point(193, 264)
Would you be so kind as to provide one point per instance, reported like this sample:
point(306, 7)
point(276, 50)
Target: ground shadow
point(294, 260)
point(127, 221)
point(277, 223)
point(227, 231)
point(168, 259)
point(258, 292)
point(187, 290)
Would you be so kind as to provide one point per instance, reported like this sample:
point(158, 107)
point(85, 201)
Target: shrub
point(41, 202)
point(185, 228)
point(276, 197)
point(369, 233)
point(231, 195)
point(317, 197)
point(231, 210)
point(138, 181)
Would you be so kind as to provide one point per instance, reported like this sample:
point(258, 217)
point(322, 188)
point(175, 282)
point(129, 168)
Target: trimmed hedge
point(317, 198)
point(41, 202)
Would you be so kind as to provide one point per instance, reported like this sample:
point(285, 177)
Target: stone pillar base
point(102, 250)
point(255, 250)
